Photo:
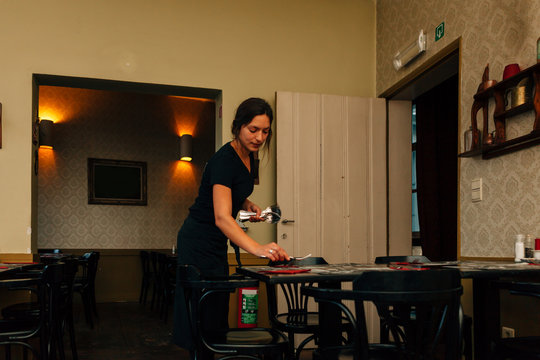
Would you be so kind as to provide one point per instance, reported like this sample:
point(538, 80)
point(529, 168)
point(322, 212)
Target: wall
point(241, 47)
point(494, 32)
point(119, 126)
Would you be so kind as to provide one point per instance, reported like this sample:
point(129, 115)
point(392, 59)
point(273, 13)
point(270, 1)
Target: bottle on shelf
point(468, 139)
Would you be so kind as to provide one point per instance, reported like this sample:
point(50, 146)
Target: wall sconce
point(186, 142)
point(410, 52)
point(46, 139)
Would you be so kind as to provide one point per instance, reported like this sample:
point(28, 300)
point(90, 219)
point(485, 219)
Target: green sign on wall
point(439, 31)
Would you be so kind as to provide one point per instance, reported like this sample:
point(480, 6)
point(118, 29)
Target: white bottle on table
point(519, 247)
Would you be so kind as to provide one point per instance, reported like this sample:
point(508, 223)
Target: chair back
point(296, 314)
point(420, 308)
point(231, 342)
point(13, 330)
point(145, 263)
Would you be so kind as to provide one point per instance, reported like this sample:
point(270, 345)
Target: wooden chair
point(297, 318)
point(85, 284)
point(47, 316)
point(465, 320)
point(434, 296)
point(229, 343)
point(147, 276)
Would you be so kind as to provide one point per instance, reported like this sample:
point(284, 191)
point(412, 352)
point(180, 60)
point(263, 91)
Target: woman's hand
point(252, 207)
point(273, 252)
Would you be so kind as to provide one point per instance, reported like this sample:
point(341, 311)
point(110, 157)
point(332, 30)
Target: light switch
point(476, 190)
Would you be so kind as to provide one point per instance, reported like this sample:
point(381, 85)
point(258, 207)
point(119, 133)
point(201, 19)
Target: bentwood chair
point(434, 295)
point(229, 343)
point(296, 319)
point(465, 320)
point(521, 347)
point(48, 316)
point(19, 332)
point(85, 284)
point(147, 276)
point(166, 268)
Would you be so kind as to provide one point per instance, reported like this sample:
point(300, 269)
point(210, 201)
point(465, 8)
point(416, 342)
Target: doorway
point(104, 119)
point(434, 95)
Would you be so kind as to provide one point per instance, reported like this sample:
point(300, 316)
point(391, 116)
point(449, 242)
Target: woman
point(226, 183)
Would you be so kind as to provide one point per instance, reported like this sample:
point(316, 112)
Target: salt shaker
point(529, 247)
point(519, 247)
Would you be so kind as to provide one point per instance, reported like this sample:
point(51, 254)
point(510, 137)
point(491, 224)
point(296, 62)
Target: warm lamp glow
point(186, 158)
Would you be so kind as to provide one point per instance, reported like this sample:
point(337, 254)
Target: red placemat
point(408, 268)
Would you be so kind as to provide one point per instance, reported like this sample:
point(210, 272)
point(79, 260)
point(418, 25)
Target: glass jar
point(468, 138)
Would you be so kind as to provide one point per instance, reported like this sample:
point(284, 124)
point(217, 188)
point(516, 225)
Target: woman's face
point(253, 135)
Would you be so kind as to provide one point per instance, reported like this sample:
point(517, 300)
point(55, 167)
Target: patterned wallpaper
point(121, 126)
point(495, 32)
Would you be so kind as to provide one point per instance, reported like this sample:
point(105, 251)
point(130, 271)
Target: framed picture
point(116, 182)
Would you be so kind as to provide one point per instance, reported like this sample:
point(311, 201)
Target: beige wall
point(242, 47)
point(495, 32)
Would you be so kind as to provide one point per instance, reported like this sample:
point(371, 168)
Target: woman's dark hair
point(247, 110)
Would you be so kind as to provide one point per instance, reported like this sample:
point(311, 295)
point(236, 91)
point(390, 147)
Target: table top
point(349, 271)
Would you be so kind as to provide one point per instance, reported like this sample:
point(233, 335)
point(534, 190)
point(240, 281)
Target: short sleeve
point(221, 173)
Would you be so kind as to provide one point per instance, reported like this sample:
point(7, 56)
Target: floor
point(128, 331)
point(125, 331)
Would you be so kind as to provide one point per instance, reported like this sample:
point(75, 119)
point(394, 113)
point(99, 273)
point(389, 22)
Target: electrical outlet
point(507, 332)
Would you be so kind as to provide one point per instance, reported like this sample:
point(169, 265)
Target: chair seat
point(17, 328)
point(249, 341)
point(248, 337)
point(29, 310)
point(302, 324)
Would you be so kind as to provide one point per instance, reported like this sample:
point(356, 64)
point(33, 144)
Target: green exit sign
point(439, 31)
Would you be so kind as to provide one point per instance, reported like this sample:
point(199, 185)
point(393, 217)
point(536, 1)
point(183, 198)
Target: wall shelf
point(499, 144)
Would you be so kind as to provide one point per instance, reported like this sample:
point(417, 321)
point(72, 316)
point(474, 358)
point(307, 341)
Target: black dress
point(201, 243)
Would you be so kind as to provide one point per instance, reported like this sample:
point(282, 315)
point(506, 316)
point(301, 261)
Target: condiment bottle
point(529, 246)
point(537, 249)
point(519, 247)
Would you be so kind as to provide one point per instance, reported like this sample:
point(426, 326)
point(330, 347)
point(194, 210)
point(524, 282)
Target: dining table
point(483, 273)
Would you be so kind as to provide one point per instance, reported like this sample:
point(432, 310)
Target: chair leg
point(93, 301)
point(302, 345)
point(71, 330)
point(87, 309)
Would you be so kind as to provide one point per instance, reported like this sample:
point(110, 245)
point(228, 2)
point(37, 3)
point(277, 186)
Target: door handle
point(285, 221)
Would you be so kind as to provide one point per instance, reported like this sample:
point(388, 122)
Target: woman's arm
point(226, 223)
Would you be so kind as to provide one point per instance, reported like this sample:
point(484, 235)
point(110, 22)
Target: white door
point(332, 179)
point(331, 176)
